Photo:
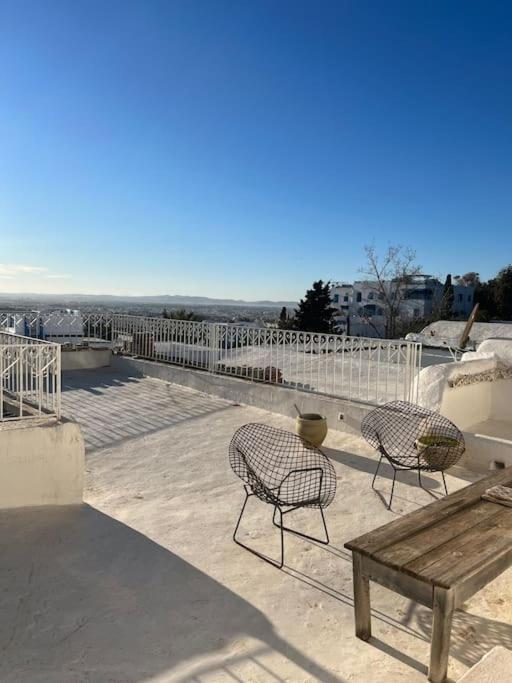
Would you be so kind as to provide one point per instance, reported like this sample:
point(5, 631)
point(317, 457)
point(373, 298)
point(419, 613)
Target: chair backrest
point(263, 457)
point(394, 430)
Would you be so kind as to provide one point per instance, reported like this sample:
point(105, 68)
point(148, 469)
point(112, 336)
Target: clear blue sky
point(246, 148)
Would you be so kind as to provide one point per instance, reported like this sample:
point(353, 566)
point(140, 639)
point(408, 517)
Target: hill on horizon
point(164, 299)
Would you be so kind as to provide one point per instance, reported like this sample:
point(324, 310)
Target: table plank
point(452, 563)
point(400, 529)
point(440, 532)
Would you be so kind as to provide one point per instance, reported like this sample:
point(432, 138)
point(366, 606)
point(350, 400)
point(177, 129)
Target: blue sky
point(246, 148)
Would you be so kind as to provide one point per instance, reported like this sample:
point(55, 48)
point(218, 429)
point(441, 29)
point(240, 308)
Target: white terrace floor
point(143, 583)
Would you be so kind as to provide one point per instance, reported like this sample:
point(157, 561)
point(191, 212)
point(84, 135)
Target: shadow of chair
point(367, 464)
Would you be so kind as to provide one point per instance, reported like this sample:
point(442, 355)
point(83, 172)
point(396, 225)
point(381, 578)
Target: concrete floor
point(143, 583)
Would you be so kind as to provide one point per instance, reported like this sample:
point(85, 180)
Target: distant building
point(360, 305)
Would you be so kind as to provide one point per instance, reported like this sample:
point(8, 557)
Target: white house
point(363, 305)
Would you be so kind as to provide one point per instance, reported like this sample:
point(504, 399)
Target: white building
point(361, 306)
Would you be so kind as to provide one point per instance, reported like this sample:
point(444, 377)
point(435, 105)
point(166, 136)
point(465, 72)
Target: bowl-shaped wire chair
point(281, 469)
point(412, 438)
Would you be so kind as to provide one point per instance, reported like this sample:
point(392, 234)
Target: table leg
point(441, 631)
point(361, 599)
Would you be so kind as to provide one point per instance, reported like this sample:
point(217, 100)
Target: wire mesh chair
point(281, 469)
point(412, 438)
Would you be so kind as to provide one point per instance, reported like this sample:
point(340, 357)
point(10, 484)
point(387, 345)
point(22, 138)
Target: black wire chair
point(412, 438)
point(281, 469)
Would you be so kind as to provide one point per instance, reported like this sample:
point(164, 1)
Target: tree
point(389, 276)
point(314, 313)
point(503, 293)
point(181, 314)
point(285, 322)
point(470, 279)
point(484, 296)
point(446, 307)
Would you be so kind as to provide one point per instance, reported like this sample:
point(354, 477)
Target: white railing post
point(213, 338)
point(58, 382)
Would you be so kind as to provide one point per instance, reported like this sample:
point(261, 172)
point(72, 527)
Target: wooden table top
point(447, 541)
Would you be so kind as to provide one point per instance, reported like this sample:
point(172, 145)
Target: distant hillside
point(164, 299)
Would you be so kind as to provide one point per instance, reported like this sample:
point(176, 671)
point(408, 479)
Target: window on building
point(460, 298)
point(358, 296)
point(336, 298)
point(345, 298)
point(381, 296)
point(470, 298)
point(370, 295)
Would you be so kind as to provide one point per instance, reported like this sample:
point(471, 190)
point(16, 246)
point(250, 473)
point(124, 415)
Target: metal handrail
point(357, 368)
point(30, 378)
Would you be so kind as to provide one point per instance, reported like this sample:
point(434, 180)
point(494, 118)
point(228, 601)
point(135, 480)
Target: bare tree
point(388, 275)
point(471, 279)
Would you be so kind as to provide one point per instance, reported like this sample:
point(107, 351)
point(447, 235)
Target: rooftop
point(144, 583)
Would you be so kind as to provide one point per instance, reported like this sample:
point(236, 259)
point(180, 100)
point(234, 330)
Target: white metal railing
point(369, 370)
point(363, 369)
point(30, 378)
point(57, 325)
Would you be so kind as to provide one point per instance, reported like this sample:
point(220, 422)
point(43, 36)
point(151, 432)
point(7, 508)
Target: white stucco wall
point(501, 401)
point(436, 394)
point(85, 359)
point(482, 410)
point(41, 464)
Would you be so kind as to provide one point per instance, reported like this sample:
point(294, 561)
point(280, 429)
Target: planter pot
point(436, 450)
point(312, 428)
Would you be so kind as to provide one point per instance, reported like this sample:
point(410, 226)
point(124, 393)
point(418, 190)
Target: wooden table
point(438, 556)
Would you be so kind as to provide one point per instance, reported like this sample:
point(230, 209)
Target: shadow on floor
point(369, 465)
point(472, 635)
point(112, 407)
point(84, 597)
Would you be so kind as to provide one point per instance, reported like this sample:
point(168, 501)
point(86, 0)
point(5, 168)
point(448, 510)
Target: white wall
point(501, 400)
point(277, 399)
point(41, 464)
point(85, 359)
point(482, 410)
point(467, 405)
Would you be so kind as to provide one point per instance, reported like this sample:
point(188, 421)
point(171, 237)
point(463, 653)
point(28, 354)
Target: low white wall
point(501, 400)
point(277, 399)
point(41, 464)
point(484, 452)
point(467, 405)
point(85, 359)
point(482, 409)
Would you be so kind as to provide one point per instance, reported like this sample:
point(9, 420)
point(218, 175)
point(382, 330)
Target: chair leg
point(376, 471)
point(300, 533)
point(279, 564)
point(392, 489)
point(247, 496)
point(393, 485)
point(444, 482)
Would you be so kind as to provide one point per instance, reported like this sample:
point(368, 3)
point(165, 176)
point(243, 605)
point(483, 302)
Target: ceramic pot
point(312, 428)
